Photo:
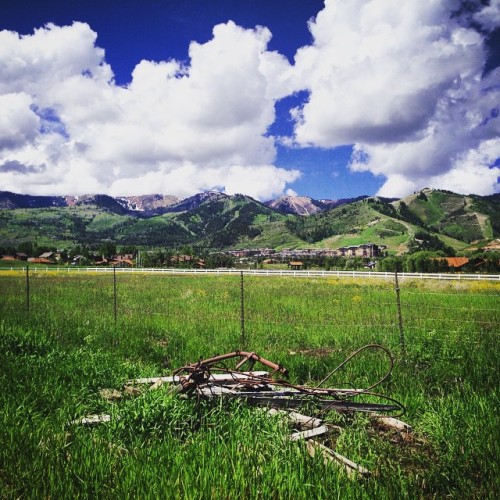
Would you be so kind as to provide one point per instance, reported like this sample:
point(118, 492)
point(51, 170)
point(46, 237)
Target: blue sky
point(329, 99)
point(131, 30)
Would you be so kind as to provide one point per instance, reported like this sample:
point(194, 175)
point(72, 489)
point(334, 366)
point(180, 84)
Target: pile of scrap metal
point(215, 378)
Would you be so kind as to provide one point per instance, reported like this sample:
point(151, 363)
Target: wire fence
point(240, 308)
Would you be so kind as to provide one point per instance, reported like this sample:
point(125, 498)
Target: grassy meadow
point(57, 358)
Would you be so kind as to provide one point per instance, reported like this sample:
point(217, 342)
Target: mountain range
point(216, 220)
point(156, 204)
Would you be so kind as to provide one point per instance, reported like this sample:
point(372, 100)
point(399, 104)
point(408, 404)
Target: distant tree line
point(427, 253)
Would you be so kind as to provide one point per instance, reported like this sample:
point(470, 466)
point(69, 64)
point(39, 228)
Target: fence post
point(400, 315)
point(114, 291)
point(27, 289)
point(242, 311)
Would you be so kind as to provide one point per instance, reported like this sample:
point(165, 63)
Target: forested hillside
point(216, 220)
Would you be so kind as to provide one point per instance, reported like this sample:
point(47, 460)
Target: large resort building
point(369, 250)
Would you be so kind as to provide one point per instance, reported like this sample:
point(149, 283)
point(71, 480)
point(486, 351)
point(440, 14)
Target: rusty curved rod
point(251, 357)
point(355, 353)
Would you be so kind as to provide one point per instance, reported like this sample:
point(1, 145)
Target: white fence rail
point(263, 272)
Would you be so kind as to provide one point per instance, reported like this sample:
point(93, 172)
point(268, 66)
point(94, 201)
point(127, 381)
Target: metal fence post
point(400, 315)
point(242, 311)
point(27, 289)
point(114, 292)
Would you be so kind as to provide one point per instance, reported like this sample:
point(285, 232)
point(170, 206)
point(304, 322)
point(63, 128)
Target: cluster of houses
point(267, 255)
point(494, 246)
point(126, 260)
point(369, 250)
point(17, 256)
point(190, 261)
point(293, 258)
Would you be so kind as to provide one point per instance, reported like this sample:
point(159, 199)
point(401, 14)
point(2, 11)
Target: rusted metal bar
point(355, 353)
point(250, 357)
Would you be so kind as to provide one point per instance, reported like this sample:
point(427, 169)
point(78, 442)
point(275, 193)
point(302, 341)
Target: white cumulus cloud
point(403, 81)
point(174, 128)
point(18, 123)
point(489, 16)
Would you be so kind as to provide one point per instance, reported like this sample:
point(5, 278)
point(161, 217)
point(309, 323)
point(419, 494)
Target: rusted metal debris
point(245, 357)
point(216, 378)
point(213, 377)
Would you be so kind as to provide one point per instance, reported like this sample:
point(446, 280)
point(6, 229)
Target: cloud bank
point(401, 81)
point(404, 83)
point(174, 129)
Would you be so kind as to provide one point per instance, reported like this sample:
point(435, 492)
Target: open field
point(56, 358)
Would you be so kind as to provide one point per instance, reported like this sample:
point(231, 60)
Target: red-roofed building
point(453, 262)
point(456, 262)
point(40, 260)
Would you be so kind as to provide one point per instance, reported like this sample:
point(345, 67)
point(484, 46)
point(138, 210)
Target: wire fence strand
point(236, 309)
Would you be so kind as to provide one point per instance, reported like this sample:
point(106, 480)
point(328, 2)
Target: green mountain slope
point(60, 226)
point(349, 218)
point(217, 220)
point(373, 220)
point(465, 218)
point(227, 221)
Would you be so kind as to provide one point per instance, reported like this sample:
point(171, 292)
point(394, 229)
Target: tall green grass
point(56, 358)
